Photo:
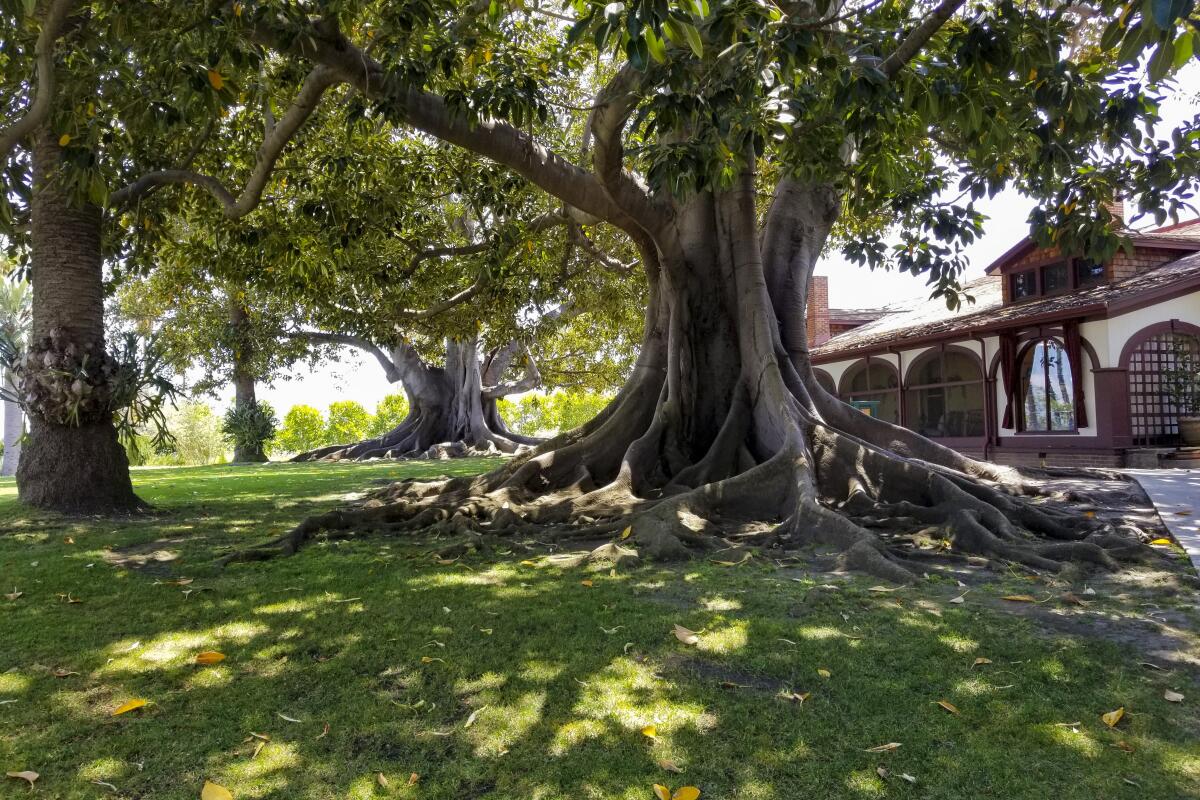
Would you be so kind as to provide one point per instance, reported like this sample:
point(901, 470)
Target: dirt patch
point(724, 676)
point(149, 558)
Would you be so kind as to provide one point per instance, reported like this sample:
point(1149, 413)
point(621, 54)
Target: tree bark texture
point(14, 426)
point(66, 468)
point(452, 408)
point(243, 380)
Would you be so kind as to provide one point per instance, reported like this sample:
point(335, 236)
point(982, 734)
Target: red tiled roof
point(912, 322)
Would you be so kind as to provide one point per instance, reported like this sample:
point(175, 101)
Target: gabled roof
point(1182, 235)
point(922, 320)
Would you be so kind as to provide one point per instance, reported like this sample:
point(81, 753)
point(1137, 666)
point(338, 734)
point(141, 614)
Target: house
point(1058, 361)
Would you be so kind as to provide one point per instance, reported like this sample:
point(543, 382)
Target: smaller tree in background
point(348, 421)
point(197, 431)
point(303, 429)
point(389, 413)
point(546, 415)
point(250, 428)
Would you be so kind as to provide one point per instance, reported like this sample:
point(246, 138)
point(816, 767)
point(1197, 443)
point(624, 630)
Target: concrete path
point(1176, 495)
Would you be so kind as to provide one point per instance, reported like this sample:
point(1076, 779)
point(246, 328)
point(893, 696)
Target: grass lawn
point(502, 676)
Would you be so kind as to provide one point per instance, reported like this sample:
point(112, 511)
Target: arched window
point(944, 396)
point(1047, 400)
point(874, 380)
point(1156, 388)
point(825, 380)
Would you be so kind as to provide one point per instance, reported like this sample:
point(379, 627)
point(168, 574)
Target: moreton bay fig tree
point(730, 141)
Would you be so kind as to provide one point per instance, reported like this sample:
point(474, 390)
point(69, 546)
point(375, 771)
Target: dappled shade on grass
point(490, 677)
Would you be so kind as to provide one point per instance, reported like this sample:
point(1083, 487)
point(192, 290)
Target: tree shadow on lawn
point(498, 679)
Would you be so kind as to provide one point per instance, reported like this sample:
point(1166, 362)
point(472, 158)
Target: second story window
point(1022, 284)
point(1088, 273)
point(1055, 278)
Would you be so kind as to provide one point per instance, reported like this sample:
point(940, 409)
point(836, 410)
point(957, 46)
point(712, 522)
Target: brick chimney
point(1117, 210)
point(817, 313)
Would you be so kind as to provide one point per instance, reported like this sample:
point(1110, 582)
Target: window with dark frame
point(1055, 278)
point(946, 397)
point(1088, 273)
point(1047, 398)
point(1022, 284)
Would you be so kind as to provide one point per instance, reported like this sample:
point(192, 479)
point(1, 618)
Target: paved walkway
point(1176, 496)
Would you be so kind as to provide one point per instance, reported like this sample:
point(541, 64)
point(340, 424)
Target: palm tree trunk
point(14, 425)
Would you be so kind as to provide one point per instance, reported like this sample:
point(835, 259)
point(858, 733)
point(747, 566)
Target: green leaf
point(658, 50)
point(1162, 61)
point(1185, 46)
point(693, 39)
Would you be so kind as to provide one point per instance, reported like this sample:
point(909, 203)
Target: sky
point(357, 378)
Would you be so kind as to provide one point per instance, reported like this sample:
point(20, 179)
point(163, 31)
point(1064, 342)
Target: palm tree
point(15, 310)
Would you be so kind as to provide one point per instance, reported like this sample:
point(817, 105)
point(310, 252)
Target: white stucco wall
point(1124, 327)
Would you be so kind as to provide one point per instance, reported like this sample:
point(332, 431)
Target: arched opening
point(944, 395)
point(874, 380)
point(1047, 399)
point(825, 380)
point(1158, 390)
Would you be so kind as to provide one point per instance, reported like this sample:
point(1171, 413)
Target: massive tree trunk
point(243, 379)
point(723, 435)
point(452, 409)
point(73, 468)
point(14, 424)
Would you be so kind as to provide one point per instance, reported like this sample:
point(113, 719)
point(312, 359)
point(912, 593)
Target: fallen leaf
point(1090, 514)
point(209, 657)
point(64, 140)
point(883, 748)
point(381, 780)
point(684, 793)
point(586, 583)
point(686, 636)
point(15, 595)
point(796, 697)
point(474, 715)
point(413, 778)
point(1161, 541)
point(1152, 666)
point(1019, 598)
point(981, 661)
point(528, 563)
point(883, 773)
point(650, 732)
point(824, 673)
point(64, 673)
point(325, 732)
point(215, 791)
point(670, 766)
point(24, 775)
point(486, 631)
point(1072, 599)
point(906, 777)
point(128, 706)
point(285, 717)
point(625, 534)
point(962, 598)
point(215, 79)
point(69, 540)
point(1113, 717)
point(430, 660)
point(883, 589)
point(946, 704)
point(1124, 745)
point(1172, 697)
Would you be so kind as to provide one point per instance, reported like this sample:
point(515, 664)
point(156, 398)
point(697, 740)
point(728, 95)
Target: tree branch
point(43, 100)
point(613, 107)
point(531, 379)
point(427, 112)
point(305, 103)
point(389, 365)
point(918, 37)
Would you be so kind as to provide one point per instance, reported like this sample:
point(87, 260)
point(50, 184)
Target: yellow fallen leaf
point(215, 79)
point(24, 775)
point(431, 659)
point(1172, 697)
point(215, 791)
point(1161, 541)
point(669, 766)
point(413, 778)
point(69, 540)
point(683, 793)
point(210, 657)
point(625, 534)
point(64, 140)
point(946, 704)
point(686, 636)
point(586, 583)
point(1019, 598)
point(650, 732)
point(381, 779)
point(883, 748)
point(824, 673)
point(128, 706)
point(980, 661)
point(1113, 717)
point(796, 697)
point(528, 563)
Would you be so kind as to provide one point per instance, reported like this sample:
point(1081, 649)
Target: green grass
point(490, 678)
